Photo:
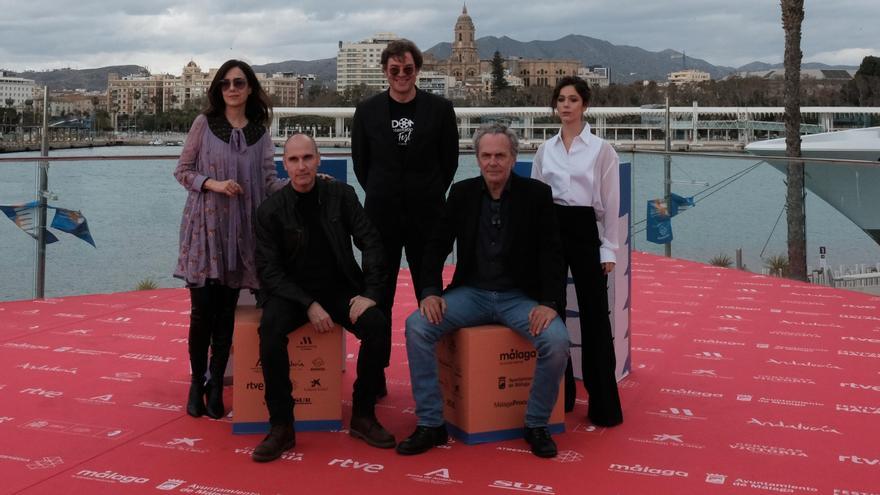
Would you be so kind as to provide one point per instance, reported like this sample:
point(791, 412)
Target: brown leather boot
point(280, 439)
point(368, 429)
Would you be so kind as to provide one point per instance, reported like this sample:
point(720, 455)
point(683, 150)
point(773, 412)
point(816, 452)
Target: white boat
point(156, 142)
point(851, 188)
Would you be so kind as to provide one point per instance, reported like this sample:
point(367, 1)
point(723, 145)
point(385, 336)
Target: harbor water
point(133, 208)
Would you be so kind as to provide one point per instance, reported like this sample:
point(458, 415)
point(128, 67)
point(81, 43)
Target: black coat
point(282, 242)
point(415, 181)
point(532, 247)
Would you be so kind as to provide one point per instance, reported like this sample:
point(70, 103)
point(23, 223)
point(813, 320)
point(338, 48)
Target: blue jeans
point(467, 307)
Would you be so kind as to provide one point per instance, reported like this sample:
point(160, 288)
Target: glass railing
point(739, 208)
point(133, 205)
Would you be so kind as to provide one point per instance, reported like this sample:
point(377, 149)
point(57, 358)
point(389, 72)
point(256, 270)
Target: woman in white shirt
point(582, 170)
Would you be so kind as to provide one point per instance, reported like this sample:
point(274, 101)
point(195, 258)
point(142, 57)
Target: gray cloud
point(164, 34)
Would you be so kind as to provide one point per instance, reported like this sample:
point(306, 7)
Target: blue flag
point(678, 203)
point(659, 229)
point(72, 222)
point(24, 215)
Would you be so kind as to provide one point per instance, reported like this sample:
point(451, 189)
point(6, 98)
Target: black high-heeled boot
point(200, 324)
point(195, 405)
point(221, 343)
point(214, 395)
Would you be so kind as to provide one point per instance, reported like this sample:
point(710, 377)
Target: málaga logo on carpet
point(691, 393)
point(647, 470)
point(109, 477)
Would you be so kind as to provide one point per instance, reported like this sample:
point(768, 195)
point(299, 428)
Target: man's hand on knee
point(357, 306)
point(539, 319)
point(433, 308)
point(319, 318)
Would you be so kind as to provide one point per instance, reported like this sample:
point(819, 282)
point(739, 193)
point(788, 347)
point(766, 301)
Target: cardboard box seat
point(486, 374)
point(315, 370)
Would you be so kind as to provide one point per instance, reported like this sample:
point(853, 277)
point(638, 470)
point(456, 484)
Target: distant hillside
point(324, 69)
point(759, 66)
point(627, 63)
point(89, 79)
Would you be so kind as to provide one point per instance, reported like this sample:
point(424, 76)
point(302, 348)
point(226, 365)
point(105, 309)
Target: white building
point(512, 81)
point(439, 84)
point(361, 62)
point(17, 90)
point(596, 76)
point(190, 88)
point(688, 76)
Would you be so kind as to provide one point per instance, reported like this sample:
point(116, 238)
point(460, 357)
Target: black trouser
point(580, 241)
point(281, 316)
point(211, 322)
point(399, 231)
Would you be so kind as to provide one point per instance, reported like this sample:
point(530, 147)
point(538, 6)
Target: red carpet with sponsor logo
point(741, 384)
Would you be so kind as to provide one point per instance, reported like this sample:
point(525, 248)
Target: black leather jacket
point(281, 242)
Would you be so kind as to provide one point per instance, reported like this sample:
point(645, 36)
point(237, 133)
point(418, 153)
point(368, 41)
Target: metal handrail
point(735, 156)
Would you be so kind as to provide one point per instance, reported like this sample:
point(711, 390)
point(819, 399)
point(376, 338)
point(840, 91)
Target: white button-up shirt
point(587, 174)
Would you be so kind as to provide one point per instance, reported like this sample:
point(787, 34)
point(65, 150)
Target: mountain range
point(627, 64)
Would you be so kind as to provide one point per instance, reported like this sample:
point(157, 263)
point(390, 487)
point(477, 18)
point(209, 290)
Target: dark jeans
point(580, 242)
point(211, 321)
point(281, 317)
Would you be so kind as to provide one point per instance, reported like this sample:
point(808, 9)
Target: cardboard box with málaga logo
point(315, 370)
point(485, 375)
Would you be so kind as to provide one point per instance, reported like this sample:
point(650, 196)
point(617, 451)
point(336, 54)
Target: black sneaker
point(368, 429)
point(540, 441)
point(280, 439)
point(423, 439)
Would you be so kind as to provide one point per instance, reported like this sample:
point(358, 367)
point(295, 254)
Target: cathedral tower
point(464, 63)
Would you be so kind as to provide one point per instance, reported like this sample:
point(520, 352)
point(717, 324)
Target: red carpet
point(741, 384)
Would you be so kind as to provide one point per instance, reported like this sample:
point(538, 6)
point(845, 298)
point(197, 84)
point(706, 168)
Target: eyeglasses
point(407, 70)
point(238, 83)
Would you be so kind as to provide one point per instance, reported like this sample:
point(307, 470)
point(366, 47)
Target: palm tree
point(792, 17)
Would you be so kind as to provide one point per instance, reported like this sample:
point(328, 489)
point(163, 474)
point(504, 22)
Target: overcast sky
point(164, 35)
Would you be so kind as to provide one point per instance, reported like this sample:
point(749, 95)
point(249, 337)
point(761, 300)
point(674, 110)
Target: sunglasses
point(407, 70)
point(238, 83)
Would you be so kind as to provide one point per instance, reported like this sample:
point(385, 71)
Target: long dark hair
point(258, 108)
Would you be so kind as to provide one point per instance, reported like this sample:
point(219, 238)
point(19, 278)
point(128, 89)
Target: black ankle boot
point(195, 405)
point(214, 396)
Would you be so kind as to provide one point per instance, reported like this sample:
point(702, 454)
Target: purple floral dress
point(216, 231)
